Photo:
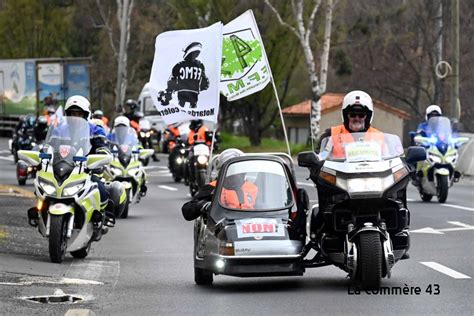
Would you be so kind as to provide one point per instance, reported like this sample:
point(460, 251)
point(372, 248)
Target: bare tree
point(303, 32)
point(124, 12)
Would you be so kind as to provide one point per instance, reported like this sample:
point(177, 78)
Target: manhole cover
point(59, 297)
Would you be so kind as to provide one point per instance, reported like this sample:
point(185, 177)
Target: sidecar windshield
point(69, 137)
point(357, 147)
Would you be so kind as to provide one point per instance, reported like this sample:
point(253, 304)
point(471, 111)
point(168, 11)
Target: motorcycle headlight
point(142, 134)
point(179, 160)
point(73, 188)
point(33, 144)
point(434, 158)
point(147, 134)
point(182, 151)
point(451, 158)
point(116, 171)
point(202, 159)
point(47, 187)
point(133, 172)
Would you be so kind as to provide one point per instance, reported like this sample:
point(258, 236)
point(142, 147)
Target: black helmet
point(195, 124)
point(131, 105)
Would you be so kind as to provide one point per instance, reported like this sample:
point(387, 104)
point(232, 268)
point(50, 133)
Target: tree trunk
point(124, 10)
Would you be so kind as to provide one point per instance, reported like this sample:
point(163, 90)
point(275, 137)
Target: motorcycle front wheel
point(443, 186)
point(370, 260)
point(57, 238)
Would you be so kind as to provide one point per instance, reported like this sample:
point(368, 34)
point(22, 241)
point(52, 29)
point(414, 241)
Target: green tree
point(34, 28)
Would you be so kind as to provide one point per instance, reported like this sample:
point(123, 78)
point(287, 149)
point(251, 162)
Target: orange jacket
point(230, 199)
point(340, 136)
point(135, 126)
point(201, 135)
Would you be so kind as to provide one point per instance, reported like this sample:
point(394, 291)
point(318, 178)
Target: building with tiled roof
point(386, 117)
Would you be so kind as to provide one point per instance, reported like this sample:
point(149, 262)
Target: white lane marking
point(5, 151)
point(94, 270)
point(459, 207)
point(167, 188)
point(51, 280)
point(443, 269)
point(150, 167)
point(429, 230)
point(162, 167)
point(9, 158)
point(411, 200)
point(306, 183)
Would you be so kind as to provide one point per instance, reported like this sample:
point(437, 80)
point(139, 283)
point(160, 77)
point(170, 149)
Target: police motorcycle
point(437, 173)
point(362, 223)
point(69, 212)
point(126, 166)
point(23, 169)
point(259, 231)
point(177, 159)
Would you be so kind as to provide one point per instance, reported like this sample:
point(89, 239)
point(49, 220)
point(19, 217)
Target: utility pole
point(438, 52)
point(455, 105)
point(123, 15)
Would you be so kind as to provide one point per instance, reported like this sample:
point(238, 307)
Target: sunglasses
point(360, 115)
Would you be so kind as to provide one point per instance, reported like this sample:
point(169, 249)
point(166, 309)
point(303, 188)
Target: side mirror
point(415, 154)
point(424, 141)
point(145, 153)
point(30, 156)
point(308, 159)
point(302, 199)
point(98, 161)
point(460, 141)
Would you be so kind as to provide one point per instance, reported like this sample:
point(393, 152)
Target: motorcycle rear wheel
point(57, 238)
point(443, 186)
point(370, 260)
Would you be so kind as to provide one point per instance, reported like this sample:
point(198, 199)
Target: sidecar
point(255, 224)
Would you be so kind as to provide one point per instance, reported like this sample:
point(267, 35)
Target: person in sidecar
point(192, 209)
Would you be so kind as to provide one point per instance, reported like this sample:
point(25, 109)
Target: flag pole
point(281, 115)
point(273, 84)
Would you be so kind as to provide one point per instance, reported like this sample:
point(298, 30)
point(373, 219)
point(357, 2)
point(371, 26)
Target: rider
point(197, 128)
point(357, 114)
point(192, 209)
point(50, 111)
point(99, 114)
point(431, 111)
point(79, 106)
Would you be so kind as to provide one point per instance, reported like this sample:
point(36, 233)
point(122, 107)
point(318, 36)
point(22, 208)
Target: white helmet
point(358, 98)
point(226, 155)
point(121, 120)
point(431, 109)
point(79, 102)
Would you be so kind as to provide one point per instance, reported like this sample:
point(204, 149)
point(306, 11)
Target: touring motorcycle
point(362, 223)
point(196, 166)
point(126, 166)
point(437, 173)
point(69, 212)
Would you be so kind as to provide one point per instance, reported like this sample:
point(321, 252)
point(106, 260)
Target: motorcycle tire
point(370, 260)
point(145, 162)
point(21, 181)
point(443, 186)
point(82, 253)
point(176, 178)
point(58, 238)
point(202, 276)
point(201, 178)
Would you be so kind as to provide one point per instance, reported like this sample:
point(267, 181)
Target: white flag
point(184, 80)
point(245, 68)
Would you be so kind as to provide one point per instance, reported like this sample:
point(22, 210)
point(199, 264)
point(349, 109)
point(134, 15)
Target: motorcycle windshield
point(69, 137)
point(358, 147)
point(125, 138)
point(439, 127)
point(145, 124)
point(255, 185)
